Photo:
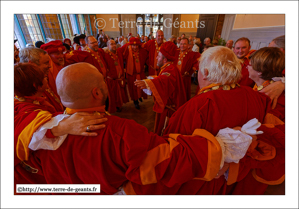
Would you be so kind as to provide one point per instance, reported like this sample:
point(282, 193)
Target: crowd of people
point(227, 139)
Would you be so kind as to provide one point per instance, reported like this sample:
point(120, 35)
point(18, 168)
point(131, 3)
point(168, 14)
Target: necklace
point(181, 57)
point(53, 95)
point(23, 99)
point(136, 56)
point(218, 86)
point(157, 47)
point(101, 64)
point(114, 57)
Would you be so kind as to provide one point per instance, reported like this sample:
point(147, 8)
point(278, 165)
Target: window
point(147, 23)
point(51, 26)
point(18, 33)
point(139, 20)
point(92, 21)
point(30, 28)
point(147, 30)
point(140, 29)
point(82, 24)
point(87, 25)
point(147, 18)
point(155, 18)
point(66, 26)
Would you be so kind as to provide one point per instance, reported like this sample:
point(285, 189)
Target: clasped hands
point(226, 165)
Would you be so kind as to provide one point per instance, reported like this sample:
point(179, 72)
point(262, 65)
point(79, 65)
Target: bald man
point(153, 48)
point(115, 77)
point(278, 42)
point(97, 53)
point(124, 150)
point(229, 44)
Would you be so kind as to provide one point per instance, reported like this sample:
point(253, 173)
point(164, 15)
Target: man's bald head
point(81, 85)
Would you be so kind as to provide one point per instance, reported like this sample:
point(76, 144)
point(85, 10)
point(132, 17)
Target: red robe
point(279, 110)
point(188, 65)
point(99, 57)
point(218, 109)
point(116, 82)
point(153, 50)
point(169, 94)
point(115, 157)
point(27, 118)
point(135, 70)
point(245, 80)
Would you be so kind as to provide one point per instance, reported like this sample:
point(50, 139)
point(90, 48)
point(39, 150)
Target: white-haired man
point(221, 103)
point(207, 41)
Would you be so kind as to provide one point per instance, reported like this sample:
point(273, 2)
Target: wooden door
point(206, 26)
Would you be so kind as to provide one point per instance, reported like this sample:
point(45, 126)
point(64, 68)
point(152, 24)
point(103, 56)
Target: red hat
point(53, 46)
point(134, 40)
point(67, 39)
point(130, 34)
point(168, 49)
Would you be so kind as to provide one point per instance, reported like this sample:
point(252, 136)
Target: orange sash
point(130, 64)
point(130, 67)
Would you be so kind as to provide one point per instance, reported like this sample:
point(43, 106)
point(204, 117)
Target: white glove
point(251, 126)
point(235, 143)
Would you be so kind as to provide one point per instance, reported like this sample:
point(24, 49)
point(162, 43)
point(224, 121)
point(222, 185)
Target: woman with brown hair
point(267, 64)
point(29, 85)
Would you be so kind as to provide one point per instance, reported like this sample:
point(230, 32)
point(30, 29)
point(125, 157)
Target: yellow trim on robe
point(153, 158)
point(233, 173)
point(261, 151)
point(26, 135)
point(259, 179)
point(272, 119)
point(155, 93)
point(214, 154)
point(128, 188)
